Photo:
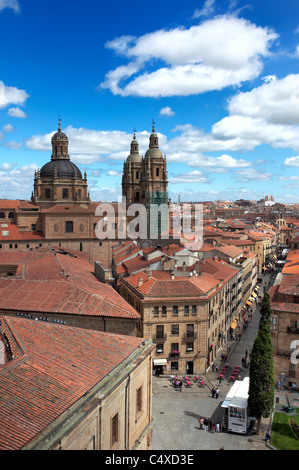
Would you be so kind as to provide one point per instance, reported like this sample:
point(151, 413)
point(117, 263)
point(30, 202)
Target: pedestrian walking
point(293, 387)
point(201, 423)
point(217, 392)
point(213, 367)
point(180, 385)
point(278, 385)
point(217, 427)
point(267, 437)
point(205, 424)
point(213, 392)
point(216, 368)
point(246, 353)
point(220, 380)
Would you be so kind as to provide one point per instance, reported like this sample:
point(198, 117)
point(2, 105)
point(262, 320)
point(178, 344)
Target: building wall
point(134, 430)
point(283, 335)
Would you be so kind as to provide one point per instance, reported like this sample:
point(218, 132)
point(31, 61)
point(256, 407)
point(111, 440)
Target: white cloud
point(16, 112)
point(252, 174)
point(7, 128)
point(12, 144)
point(206, 10)
point(195, 176)
point(14, 182)
point(289, 178)
point(214, 58)
point(11, 95)
point(292, 161)
point(114, 173)
point(13, 4)
point(276, 101)
point(167, 111)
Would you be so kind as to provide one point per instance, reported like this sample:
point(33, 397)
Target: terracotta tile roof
point(9, 204)
point(54, 282)
point(53, 367)
point(11, 232)
point(66, 209)
point(239, 242)
point(160, 284)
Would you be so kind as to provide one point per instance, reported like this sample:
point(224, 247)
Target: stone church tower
point(60, 181)
point(145, 179)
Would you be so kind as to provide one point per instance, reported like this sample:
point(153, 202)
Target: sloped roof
point(53, 366)
point(52, 280)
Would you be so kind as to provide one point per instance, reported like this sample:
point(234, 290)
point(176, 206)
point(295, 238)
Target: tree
point(265, 311)
point(261, 372)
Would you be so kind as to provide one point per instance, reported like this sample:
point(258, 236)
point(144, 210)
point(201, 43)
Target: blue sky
point(219, 78)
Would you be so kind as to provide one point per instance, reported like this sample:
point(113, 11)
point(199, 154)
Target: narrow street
point(176, 414)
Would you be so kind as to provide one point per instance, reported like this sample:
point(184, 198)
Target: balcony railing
point(293, 330)
point(281, 352)
point(174, 354)
point(189, 336)
point(159, 338)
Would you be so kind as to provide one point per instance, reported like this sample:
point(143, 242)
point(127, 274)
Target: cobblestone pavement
point(176, 414)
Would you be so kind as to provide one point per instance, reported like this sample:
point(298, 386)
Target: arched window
point(11, 215)
point(194, 309)
point(175, 310)
point(186, 308)
point(156, 310)
point(2, 215)
point(164, 310)
point(157, 171)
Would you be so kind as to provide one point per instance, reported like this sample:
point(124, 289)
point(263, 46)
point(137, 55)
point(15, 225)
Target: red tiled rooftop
point(53, 367)
point(11, 232)
point(54, 282)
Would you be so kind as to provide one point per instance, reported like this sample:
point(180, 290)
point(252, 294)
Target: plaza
point(176, 414)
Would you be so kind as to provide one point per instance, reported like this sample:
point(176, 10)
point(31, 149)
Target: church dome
point(153, 151)
point(134, 156)
point(61, 169)
point(59, 135)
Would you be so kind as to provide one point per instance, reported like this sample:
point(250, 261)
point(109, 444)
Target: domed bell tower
point(60, 181)
point(131, 178)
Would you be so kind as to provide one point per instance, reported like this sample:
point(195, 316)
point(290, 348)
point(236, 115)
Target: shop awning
point(160, 362)
point(254, 294)
point(234, 324)
point(248, 302)
point(257, 287)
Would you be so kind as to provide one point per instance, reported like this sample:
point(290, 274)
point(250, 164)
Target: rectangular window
point(114, 429)
point(190, 331)
point(139, 400)
point(47, 193)
point(189, 347)
point(175, 329)
point(69, 226)
point(160, 331)
point(159, 349)
point(65, 193)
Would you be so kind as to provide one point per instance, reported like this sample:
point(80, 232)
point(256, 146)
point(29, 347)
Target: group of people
point(208, 425)
point(215, 392)
point(176, 382)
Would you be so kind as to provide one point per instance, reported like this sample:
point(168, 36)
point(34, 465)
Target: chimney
point(140, 282)
point(184, 266)
point(171, 274)
point(149, 276)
